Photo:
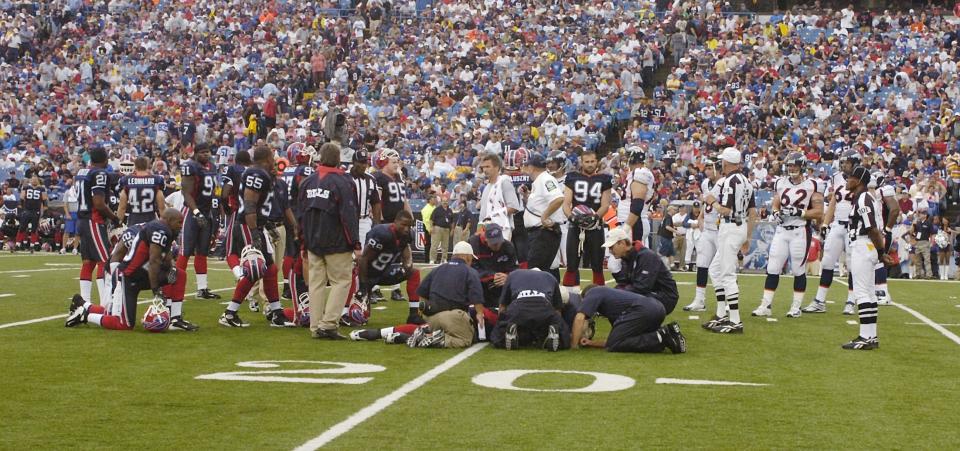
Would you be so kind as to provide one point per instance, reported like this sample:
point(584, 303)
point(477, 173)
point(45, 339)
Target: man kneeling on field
point(643, 272)
point(635, 319)
point(448, 296)
point(530, 313)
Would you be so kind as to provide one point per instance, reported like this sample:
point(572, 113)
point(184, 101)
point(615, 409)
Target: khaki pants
point(326, 303)
point(460, 234)
point(456, 326)
point(924, 268)
point(441, 236)
point(278, 242)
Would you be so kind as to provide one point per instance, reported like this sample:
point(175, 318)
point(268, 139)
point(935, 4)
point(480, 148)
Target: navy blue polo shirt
point(608, 302)
point(452, 285)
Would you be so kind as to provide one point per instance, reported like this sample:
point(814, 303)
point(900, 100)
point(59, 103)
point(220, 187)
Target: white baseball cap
point(731, 155)
point(615, 236)
point(463, 248)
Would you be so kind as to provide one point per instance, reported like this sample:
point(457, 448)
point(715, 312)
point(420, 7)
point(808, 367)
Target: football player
point(591, 189)
point(634, 207)
point(393, 199)
point(709, 224)
point(387, 260)
point(515, 159)
point(292, 177)
point(886, 198)
point(147, 263)
point(198, 182)
point(257, 194)
point(230, 200)
point(279, 219)
point(33, 202)
point(836, 219)
point(141, 194)
point(93, 213)
point(796, 202)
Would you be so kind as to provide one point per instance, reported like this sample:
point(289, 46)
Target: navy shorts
point(94, 243)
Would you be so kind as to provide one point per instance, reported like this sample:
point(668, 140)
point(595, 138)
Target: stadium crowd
point(444, 83)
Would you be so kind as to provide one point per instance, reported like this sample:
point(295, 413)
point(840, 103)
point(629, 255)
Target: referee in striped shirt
point(368, 198)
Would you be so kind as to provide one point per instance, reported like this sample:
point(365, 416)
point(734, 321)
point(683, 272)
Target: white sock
point(107, 289)
point(767, 298)
point(237, 272)
point(797, 298)
point(101, 291)
point(385, 331)
point(413, 304)
point(868, 330)
point(701, 294)
point(176, 309)
point(734, 302)
point(721, 309)
point(821, 296)
point(201, 282)
point(274, 305)
point(86, 288)
point(94, 318)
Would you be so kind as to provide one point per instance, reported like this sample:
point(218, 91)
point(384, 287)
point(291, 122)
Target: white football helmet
point(126, 164)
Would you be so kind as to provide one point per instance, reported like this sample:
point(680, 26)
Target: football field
point(785, 383)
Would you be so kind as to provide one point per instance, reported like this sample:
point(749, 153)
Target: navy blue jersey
point(279, 201)
point(138, 252)
point(257, 180)
point(128, 235)
point(230, 175)
point(387, 245)
point(527, 284)
point(32, 197)
point(142, 191)
point(608, 302)
point(205, 183)
point(10, 203)
point(392, 195)
point(91, 182)
point(588, 189)
point(113, 190)
point(293, 176)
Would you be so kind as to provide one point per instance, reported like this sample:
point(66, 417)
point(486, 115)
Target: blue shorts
point(71, 224)
point(666, 247)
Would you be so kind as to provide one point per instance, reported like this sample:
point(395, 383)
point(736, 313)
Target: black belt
point(791, 227)
point(365, 217)
point(737, 221)
point(843, 223)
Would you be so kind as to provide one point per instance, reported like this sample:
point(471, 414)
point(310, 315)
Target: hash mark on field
point(21, 276)
point(831, 302)
point(693, 317)
point(851, 322)
point(379, 405)
point(771, 320)
point(380, 308)
point(6, 295)
point(668, 380)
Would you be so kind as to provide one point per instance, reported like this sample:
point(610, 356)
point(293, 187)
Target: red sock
point(35, 238)
point(182, 262)
point(287, 266)
point(405, 328)
point(598, 278)
point(200, 264)
point(570, 278)
point(114, 323)
point(243, 288)
point(21, 236)
point(97, 309)
point(176, 290)
point(100, 267)
point(354, 285)
point(86, 270)
point(270, 283)
point(412, 284)
point(523, 265)
point(232, 261)
point(490, 317)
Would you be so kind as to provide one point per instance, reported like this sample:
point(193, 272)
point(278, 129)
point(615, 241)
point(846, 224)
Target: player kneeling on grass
point(530, 313)
point(446, 296)
point(386, 260)
point(148, 263)
point(636, 321)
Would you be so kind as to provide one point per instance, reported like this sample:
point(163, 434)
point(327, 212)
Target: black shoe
point(77, 317)
point(276, 318)
point(207, 294)
point(286, 291)
point(552, 343)
point(375, 297)
point(862, 344)
point(76, 302)
point(231, 319)
point(415, 318)
point(510, 339)
point(709, 325)
point(328, 335)
point(397, 296)
point(673, 339)
point(726, 326)
point(178, 323)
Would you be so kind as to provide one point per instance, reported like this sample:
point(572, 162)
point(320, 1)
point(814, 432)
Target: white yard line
point(668, 380)
point(38, 270)
point(379, 405)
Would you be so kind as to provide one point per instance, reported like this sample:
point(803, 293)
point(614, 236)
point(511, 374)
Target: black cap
point(361, 156)
point(862, 174)
point(536, 160)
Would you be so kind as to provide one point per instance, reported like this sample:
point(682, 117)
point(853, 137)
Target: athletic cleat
point(286, 291)
point(77, 317)
point(331, 334)
point(863, 344)
point(849, 309)
point(762, 311)
point(207, 294)
point(673, 339)
point(794, 313)
point(510, 339)
point(253, 305)
point(713, 322)
point(355, 335)
point(695, 306)
point(418, 335)
point(415, 318)
point(76, 302)
point(552, 343)
point(882, 298)
point(375, 296)
point(276, 318)
point(345, 321)
point(728, 327)
point(230, 319)
point(178, 323)
point(434, 340)
point(815, 307)
point(396, 338)
point(397, 296)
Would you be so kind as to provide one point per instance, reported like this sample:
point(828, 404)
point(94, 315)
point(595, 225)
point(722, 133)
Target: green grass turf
point(91, 388)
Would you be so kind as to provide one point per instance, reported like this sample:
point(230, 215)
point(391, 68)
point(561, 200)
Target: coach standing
point(737, 214)
point(330, 233)
point(543, 215)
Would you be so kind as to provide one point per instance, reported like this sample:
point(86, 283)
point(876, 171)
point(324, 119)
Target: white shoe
point(696, 306)
point(794, 313)
point(849, 309)
point(762, 311)
point(816, 307)
point(355, 335)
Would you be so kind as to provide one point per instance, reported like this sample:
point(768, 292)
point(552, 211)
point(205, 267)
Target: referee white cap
point(731, 155)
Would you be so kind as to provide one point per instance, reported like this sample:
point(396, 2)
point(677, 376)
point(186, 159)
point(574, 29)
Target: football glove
point(790, 210)
point(776, 217)
point(257, 239)
point(202, 220)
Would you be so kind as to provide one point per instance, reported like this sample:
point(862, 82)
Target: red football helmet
point(516, 158)
point(303, 309)
point(252, 263)
point(358, 313)
point(157, 316)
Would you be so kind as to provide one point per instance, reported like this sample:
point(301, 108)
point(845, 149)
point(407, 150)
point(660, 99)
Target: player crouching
point(148, 262)
point(386, 260)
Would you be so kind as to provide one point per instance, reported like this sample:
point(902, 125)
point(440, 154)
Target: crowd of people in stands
point(443, 81)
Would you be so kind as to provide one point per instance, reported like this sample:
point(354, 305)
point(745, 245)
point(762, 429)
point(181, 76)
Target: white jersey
point(641, 175)
point(878, 195)
point(711, 217)
point(844, 198)
point(799, 195)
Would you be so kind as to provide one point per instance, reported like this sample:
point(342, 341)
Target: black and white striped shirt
point(736, 193)
point(865, 215)
point(367, 194)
